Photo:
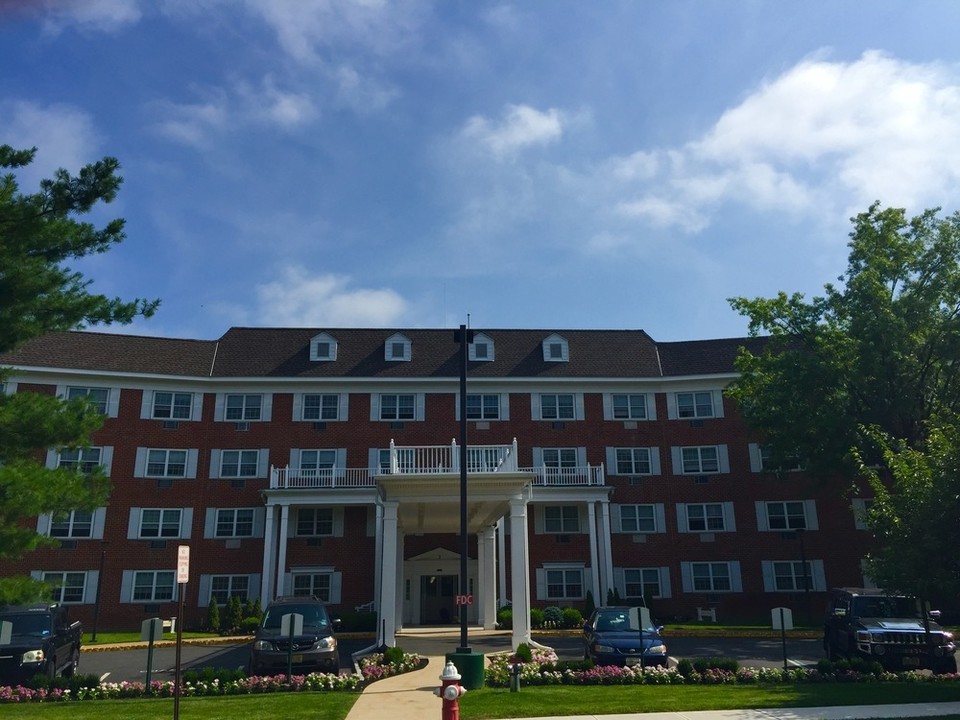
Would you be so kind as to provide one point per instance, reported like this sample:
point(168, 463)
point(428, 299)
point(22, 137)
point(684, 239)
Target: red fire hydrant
point(450, 692)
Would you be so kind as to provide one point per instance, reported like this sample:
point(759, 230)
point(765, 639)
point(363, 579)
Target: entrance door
point(437, 599)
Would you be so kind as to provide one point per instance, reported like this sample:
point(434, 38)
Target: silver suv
point(314, 648)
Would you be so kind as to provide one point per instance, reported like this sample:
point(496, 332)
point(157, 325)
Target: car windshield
point(29, 624)
point(618, 621)
point(885, 607)
point(314, 616)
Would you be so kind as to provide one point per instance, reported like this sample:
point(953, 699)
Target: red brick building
point(327, 462)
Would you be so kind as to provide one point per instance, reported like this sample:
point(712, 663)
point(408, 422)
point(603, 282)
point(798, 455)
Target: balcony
point(434, 461)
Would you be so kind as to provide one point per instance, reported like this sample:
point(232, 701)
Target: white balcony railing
point(433, 460)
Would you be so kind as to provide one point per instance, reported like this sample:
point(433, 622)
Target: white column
point(594, 551)
point(387, 602)
point(269, 553)
point(519, 572)
point(606, 552)
point(501, 563)
point(487, 578)
point(377, 555)
point(401, 539)
point(282, 555)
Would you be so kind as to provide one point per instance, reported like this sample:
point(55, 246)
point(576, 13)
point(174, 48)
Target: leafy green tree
point(213, 615)
point(876, 350)
point(915, 515)
point(39, 293)
point(233, 614)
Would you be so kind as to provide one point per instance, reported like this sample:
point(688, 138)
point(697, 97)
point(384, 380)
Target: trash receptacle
point(470, 667)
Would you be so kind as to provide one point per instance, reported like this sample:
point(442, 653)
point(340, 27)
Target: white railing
point(573, 476)
point(434, 460)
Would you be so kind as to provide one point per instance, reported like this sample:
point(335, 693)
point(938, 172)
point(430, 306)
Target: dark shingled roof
point(115, 353)
point(285, 352)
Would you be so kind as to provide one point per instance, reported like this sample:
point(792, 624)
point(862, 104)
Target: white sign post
point(782, 619)
point(183, 577)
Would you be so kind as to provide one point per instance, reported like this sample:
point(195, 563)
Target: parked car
point(610, 637)
point(886, 628)
point(37, 640)
point(314, 648)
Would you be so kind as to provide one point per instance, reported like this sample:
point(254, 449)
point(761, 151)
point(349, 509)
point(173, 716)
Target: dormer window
point(555, 349)
point(323, 348)
point(397, 349)
point(481, 349)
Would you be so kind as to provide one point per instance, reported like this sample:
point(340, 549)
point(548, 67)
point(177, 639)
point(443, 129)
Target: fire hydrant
point(450, 691)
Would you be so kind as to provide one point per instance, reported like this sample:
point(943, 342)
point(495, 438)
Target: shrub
point(213, 616)
point(536, 618)
point(212, 675)
point(393, 655)
point(590, 605)
point(249, 625)
point(572, 618)
point(552, 617)
point(701, 665)
point(685, 667)
point(233, 614)
point(505, 618)
point(524, 652)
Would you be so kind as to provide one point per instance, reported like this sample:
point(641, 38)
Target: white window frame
point(229, 519)
point(774, 571)
point(787, 510)
point(695, 405)
point(161, 458)
point(683, 460)
point(556, 349)
point(73, 523)
point(242, 461)
point(395, 406)
point(174, 407)
point(318, 342)
point(45, 524)
point(58, 587)
point(328, 409)
point(393, 344)
point(486, 412)
point(648, 576)
point(727, 517)
point(108, 406)
point(760, 460)
point(629, 518)
point(330, 595)
point(633, 406)
point(158, 581)
point(688, 573)
point(141, 467)
point(249, 411)
point(317, 530)
point(551, 407)
point(861, 506)
point(85, 460)
point(561, 519)
point(571, 575)
point(164, 523)
point(207, 582)
point(632, 461)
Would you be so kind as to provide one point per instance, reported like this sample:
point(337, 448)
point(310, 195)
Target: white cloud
point(823, 137)
point(520, 127)
point(273, 106)
point(98, 15)
point(190, 124)
point(364, 94)
point(63, 135)
point(302, 300)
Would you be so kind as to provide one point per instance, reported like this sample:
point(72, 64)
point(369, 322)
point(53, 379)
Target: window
point(314, 522)
point(561, 519)
point(172, 405)
point(153, 585)
point(166, 463)
point(321, 407)
point(234, 522)
point(641, 582)
point(82, 460)
point(861, 510)
point(792, 462)
point(786, 516)
point(705, 517)
point(483, 407)
point(397, 348)
point(633, 461)
point(397, 407)
point(695, 405)
point(700, 459)
point(791, 576)
point(557, 407)
point(323, 348)
point(160, 523)
point(629, 407)
point(559, 461)
point(638, 519)
point(239, 463)
point(710, 577)
point(314, 462)
point(564, 584)
point(224, 587)
point(555, 349)
point(73, 524)
point(243, 407)
point(66, 587)
point(97, 397)
point(312, 584)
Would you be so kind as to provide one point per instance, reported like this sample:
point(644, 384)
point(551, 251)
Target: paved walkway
point(410, 696)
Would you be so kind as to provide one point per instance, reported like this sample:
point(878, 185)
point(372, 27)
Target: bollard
point(515, 669)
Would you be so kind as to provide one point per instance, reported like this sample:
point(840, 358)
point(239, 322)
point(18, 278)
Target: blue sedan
point(610, 638)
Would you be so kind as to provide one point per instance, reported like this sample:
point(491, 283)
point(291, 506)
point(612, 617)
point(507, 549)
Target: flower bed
point(86, 687)
point(546, 669)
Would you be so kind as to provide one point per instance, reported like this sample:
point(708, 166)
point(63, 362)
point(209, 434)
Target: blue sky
point(561, 164)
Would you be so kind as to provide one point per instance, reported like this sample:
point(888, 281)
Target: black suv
point(314, 648)
point(886, 628)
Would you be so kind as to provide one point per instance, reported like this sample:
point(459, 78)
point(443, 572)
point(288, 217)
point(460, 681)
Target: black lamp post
point(464, 337)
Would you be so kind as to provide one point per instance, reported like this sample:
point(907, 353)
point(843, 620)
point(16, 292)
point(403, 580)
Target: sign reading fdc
point(464, 599)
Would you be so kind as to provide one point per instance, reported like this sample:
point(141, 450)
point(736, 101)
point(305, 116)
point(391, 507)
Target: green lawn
point(602, 700)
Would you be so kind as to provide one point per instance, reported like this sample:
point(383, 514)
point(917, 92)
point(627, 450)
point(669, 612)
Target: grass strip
point(606, 699)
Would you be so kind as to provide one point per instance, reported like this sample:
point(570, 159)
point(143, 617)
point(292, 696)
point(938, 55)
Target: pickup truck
point(887, 628)
point(37, 639)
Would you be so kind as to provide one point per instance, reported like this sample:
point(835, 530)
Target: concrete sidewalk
point(410, 696)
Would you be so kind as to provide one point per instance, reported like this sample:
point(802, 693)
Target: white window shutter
point(615, 523)
point(218, 407)
point(99, 520)
point(535, 407)
point(682, 518)
point(819, 577)
point(665, 591)
point(53, 459)
point(505, 406)
point(373, 460)
point(724, 458)
point(655, 461)
point(736, 581)
point(810, 510)
point(287, 584)
point(197, 406)
point(254, 586)
point(259, 522)
point(611, 454)
point(204, 599)
point(146, 404)
point(263, 462)
point(718, 403)
point(126, 586)
point(214, 464)
point(420, 402)
point(113, 402)
point(338, 521)
point(140, 463)
point(193, 455)
point(651, 405)
point(456, 406)
point(581, 457)
point(672, 406)
point(766, 569)
point(686, 577)
point(538, 523)
point(763, 524)
point(43, 524)
point(676, 456)
point(578, 406)
point(659, 512)
point(608, 406)
point(374, 406)
point(729, 517)
point(133, 524)
point(294, 459)
point(340, 464)
point(336, 583)
point(210, 525)
point(541, 584)
point(756, 462)
point(297, 407)
point(186, 523)
point(90, 587)
point(537, 457)
point(344, 413)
